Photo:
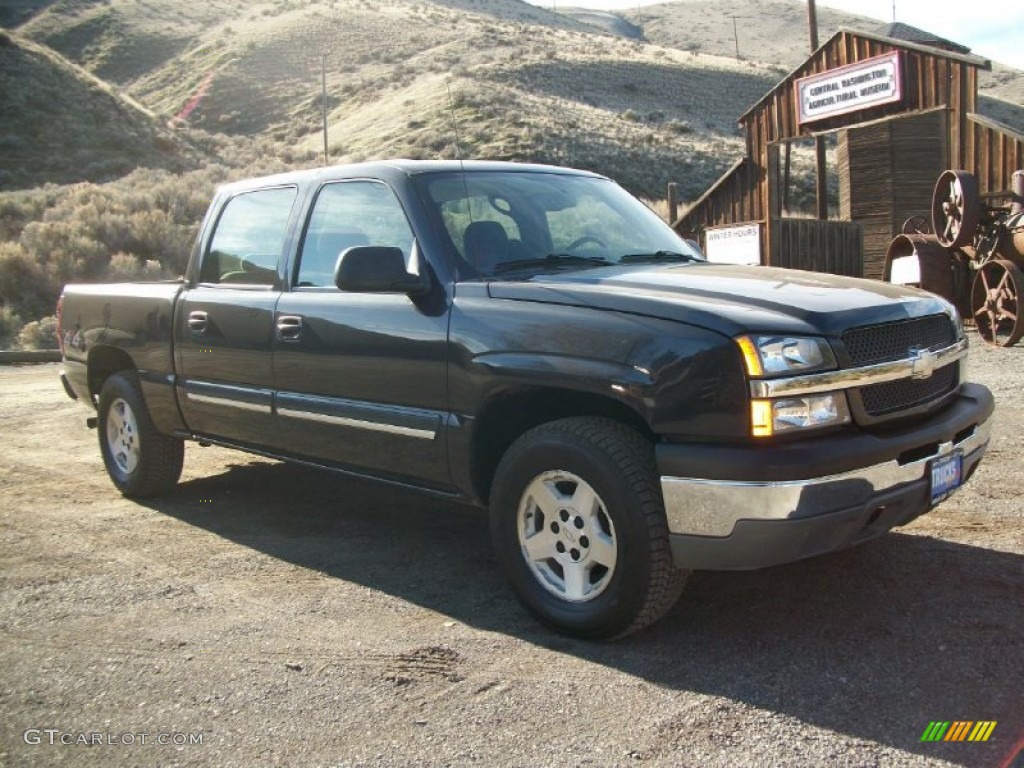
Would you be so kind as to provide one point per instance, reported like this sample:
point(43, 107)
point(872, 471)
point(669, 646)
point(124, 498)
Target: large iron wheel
point(995, 302)
point(956, 208)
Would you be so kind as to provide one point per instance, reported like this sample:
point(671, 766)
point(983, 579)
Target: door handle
point(198, 321)
point(289, 327)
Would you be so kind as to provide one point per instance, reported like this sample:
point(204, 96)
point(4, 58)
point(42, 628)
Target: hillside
point(606, 21)
point(530, 84)
point(575, 87)
point(124, 40)
point(60, 124)
point(765, 30)
point(15, 12)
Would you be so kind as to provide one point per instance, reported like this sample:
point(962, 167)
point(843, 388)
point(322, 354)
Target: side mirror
point(378, 269)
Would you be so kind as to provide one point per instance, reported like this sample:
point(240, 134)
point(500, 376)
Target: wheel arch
point(512, 412)
point(103, 363)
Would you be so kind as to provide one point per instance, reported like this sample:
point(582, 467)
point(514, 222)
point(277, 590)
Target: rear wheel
point(140, 461)
point(578, 524)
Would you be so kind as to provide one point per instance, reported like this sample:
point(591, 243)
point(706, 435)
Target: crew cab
point(535, 341)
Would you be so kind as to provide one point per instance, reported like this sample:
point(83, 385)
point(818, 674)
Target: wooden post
point(773, 210)
point(673, 202)
point(821, 176)
point(323, 88)
point(785, 176)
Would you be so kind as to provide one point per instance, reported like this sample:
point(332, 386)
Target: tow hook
point(91, 422)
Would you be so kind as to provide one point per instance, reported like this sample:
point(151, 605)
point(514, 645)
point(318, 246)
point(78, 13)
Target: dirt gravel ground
point(266, 615)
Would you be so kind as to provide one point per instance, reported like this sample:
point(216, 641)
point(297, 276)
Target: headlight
point(781, 355)
point(772, 417)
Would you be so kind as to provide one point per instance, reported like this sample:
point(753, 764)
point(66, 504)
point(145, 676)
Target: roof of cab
point(377, 168)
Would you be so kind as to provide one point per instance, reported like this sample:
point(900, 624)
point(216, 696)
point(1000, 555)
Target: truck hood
point(729, 299)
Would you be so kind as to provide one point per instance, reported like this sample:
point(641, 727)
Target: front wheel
point(140, 461)
point(579, 526)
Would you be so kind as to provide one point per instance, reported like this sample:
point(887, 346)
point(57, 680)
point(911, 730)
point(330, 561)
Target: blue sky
point(991, 28)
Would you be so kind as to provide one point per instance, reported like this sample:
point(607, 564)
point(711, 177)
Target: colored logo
point(958, 730)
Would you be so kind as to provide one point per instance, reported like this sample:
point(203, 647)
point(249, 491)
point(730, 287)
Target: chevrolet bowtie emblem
point(923, 363)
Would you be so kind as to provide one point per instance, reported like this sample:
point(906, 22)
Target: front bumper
point(755, 506)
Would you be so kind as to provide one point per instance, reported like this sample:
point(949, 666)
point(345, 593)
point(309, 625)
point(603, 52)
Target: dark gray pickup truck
point(534, 340)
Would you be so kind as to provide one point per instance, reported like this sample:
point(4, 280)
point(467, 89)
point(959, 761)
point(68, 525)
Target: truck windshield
point(507, 223)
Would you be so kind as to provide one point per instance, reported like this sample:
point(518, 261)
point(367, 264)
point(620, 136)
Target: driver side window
point(345, 215)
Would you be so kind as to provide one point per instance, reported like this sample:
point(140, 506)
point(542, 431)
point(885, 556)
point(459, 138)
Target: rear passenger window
point(249, 238)
point(345, 215)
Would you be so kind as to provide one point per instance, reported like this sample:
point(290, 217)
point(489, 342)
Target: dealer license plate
point(947, 474)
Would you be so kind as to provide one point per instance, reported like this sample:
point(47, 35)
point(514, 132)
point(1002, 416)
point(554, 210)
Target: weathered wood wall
point(818, 246)
point(992, 152)
point(887, 172)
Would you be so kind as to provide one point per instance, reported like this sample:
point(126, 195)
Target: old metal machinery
point(975, 258)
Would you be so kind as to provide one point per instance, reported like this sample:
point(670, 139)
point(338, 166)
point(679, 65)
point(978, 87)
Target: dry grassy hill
point(529, 84)
point(532, 84)
point(767, 30)
point(15, 12)
point(58, 123)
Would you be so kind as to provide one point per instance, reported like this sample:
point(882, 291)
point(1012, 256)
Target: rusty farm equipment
point(971, 252)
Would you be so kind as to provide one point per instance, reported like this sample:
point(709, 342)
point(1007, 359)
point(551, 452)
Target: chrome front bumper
point(713, 507)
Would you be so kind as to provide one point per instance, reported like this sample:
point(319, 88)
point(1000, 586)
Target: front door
point(360, 378)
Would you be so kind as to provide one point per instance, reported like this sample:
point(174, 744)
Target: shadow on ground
point(873, 642)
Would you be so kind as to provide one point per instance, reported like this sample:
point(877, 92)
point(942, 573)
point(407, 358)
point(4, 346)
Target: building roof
point(931, 50)
point(900, 31)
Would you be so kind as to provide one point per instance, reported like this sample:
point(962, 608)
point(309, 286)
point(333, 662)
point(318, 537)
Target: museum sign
point(866, 84)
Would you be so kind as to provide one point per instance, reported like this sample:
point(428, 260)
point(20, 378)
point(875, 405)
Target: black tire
point(140, 461)
point(626, 519)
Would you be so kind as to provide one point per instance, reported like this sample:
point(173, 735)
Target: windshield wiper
point(551, 260)
point(659, 256)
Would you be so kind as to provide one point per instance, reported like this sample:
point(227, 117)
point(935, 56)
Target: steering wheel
point(581, 241)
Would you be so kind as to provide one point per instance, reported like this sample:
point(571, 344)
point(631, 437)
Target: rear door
point(225, 321)
point(361, 378)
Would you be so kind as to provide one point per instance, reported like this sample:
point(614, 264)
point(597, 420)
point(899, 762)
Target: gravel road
point(266, 614)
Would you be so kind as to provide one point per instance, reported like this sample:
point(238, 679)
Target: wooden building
point(903, 113)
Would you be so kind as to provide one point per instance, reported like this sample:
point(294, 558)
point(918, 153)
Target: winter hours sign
point(866, 84)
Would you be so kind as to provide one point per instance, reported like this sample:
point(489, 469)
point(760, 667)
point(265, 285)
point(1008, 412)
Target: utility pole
point(812, 24)
point(821, 177)
point(736, 37)
point(323, 89)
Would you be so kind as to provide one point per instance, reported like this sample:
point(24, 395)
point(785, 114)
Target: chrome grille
point(893, 341)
